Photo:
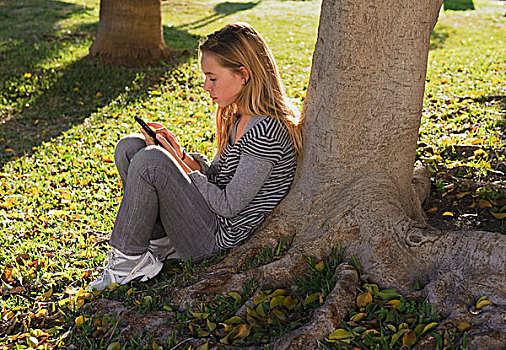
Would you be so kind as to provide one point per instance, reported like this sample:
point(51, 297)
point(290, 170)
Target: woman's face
point(222, 84)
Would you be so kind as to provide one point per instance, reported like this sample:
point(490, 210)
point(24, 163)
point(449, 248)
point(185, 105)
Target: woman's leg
point(125, 150)
point(156, 184)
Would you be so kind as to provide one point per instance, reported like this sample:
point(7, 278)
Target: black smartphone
point(148, 130)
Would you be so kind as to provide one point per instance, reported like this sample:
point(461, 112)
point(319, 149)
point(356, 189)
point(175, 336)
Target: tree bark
point(130, 33)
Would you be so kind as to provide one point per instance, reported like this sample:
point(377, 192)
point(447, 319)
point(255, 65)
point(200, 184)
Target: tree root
point(328, 316)
point(278, 273)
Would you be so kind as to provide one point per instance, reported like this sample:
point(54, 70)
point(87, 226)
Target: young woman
point(177, 204)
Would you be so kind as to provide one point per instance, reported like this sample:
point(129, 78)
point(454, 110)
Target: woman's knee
point(154, 157)
point(127, 147)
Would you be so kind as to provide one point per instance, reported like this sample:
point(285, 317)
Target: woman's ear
point(244, 74)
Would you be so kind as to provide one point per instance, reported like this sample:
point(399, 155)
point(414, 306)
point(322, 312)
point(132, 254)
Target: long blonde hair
point(240, 45)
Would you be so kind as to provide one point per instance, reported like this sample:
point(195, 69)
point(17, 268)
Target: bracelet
point(184, 155)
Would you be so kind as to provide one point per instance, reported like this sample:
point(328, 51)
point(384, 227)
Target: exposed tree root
point(328, 316)
point(130, 323)
point(455, 268)
point(278, 273)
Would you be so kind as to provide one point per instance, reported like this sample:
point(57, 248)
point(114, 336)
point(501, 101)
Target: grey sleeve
point(250, 176)
point(206, 167)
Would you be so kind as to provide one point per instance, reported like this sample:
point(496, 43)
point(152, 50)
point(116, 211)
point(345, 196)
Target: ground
point(62, 114)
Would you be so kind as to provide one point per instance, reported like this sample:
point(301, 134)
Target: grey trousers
point(159, 200)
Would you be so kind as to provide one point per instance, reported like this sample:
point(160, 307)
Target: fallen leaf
point(358, 317)
point(483, 303)
point(114, 346)
point(498, 216)
point(364, 298)
point(340, 334)
point(483, 203)
point(462, 195)
point(447, 213)
point(388, 294)
point(429, 326)
point(80, 320)
point(234, 320)
point(311, 298)
point(290, 302)
point(409, 338)
point(463, 326)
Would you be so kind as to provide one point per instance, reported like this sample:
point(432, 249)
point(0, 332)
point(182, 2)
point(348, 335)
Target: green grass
point(62, 114)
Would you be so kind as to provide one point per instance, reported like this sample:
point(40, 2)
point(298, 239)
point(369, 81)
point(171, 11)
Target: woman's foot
point(163, 249)
point(123, 268)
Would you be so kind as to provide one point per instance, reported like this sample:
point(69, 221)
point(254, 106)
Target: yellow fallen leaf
point(242, 331)
point(477, 141)
point(358, 317)
point(429, 326)
point(107, 158)
point(447, 213)
point(432, 210)
point(483, 303)
point(498, 216)
point(113, 286)
point(483, 203)
point(340, 334)
point(114, 346)
point(463, 326)
point(311, 298)
point(38, 333)
point(394, 302)
point(48, 293)
point(462, 195)
point(6, 205)
point(80, 320)
point(364, 298)
point(409, 338)
point(319, 266)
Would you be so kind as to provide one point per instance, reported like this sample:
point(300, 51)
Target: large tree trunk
point(130, 33)
point(356, 184)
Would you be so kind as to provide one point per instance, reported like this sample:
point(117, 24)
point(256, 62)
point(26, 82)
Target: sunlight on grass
point(61, 116)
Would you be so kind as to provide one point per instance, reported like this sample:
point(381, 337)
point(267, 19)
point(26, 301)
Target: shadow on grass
point(41, 104)
point(458, 5)
point(438, 37)
point(221, 10)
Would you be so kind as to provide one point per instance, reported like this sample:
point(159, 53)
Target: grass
point(61, 116)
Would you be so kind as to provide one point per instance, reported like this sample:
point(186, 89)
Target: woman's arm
point(250, 175)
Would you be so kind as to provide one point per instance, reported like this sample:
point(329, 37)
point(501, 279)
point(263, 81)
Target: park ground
point(62, 114)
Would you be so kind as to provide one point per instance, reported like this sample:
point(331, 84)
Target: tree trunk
point(130, 33)
point(355, 182)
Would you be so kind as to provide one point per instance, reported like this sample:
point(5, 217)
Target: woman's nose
point(206, 86)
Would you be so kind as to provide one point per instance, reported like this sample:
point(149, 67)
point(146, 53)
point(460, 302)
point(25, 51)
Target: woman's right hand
point(169, 136)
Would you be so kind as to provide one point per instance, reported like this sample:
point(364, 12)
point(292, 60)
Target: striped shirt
point(250, 178)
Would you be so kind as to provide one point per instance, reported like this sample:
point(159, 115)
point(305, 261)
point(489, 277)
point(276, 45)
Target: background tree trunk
point(130, 33)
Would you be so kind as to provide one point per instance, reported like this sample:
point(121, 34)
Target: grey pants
point(159, 200)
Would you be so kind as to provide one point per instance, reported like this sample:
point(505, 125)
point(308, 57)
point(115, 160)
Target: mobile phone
point(148, 130)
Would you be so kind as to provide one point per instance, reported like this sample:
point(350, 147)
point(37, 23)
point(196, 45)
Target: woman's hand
point(166, 138)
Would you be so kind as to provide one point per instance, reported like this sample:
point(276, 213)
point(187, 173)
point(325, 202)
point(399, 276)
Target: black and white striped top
point(252, 176)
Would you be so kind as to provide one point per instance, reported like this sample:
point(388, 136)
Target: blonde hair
point(240, 45)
